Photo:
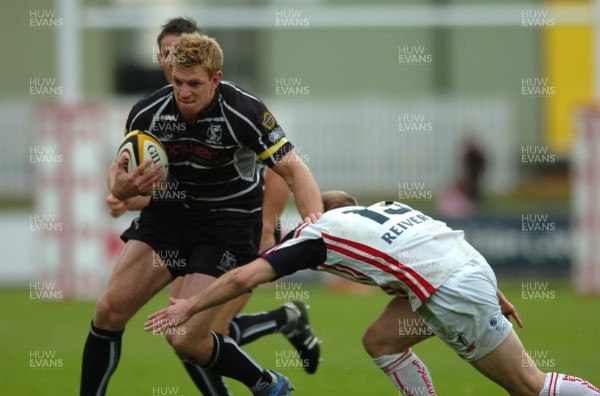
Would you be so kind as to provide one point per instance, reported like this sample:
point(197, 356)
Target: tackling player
point(292, 318)
point(409, 255)
point(215, 224)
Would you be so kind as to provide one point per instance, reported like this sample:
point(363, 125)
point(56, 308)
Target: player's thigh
point(228, 312)
point(134, 280)
point(510, 367)
point(395, 330)
point(176, 286)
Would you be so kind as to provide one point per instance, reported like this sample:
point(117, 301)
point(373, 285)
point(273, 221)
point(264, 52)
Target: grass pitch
point(42, 344)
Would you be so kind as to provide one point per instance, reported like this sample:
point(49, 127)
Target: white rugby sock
point(407, 372)
point(565, 385)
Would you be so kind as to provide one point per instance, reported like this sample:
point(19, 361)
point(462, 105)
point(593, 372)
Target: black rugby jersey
point(213, 162)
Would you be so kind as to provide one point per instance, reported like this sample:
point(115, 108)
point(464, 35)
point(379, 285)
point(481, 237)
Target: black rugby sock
point(100, 359)
point(246, 328)
point(208, 382)
point(228, 360)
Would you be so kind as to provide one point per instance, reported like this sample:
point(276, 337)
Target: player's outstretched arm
point(301, 182)
point(508, 309)
point(234, 283)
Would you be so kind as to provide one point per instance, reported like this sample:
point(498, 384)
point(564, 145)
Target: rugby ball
point(138, 146)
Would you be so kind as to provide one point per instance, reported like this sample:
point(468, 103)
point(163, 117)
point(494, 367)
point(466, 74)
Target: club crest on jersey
point(228, 262)
point(214, 134)
point(268, 121)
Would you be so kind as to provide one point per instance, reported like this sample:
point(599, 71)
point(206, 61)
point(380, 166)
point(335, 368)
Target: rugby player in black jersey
point(215, 221)
point(291, 319)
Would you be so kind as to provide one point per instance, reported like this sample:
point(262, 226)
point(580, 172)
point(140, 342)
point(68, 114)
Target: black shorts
point(210, 246)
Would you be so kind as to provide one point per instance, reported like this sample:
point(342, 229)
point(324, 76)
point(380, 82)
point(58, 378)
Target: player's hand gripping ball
point(139, 146)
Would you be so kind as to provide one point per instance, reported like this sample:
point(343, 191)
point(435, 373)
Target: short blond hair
point(337, 199)
point(195, 49)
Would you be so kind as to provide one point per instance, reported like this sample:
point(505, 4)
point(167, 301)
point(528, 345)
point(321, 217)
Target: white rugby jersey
point(388, 244)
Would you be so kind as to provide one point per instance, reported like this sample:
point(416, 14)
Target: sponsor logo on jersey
point(268, 121)
point(276, 134)
point(214, 134)
point(228, 262)
point(192, 149)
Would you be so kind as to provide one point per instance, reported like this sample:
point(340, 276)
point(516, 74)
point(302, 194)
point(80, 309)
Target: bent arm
point(277, 194)
point(302, 184)
point(116, 207)
point(112, 172)
point(139, 202)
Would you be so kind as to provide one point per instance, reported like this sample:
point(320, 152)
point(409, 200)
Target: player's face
point(166, 45)
point(194, 89)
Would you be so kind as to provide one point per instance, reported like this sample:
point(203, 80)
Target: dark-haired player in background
point(243, 328)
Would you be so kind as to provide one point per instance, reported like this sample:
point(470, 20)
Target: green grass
point(566, 328)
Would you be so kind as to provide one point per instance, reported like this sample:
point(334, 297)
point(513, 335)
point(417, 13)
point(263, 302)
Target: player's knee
point(530, 384)
point(378, 343)
point(524, 390)
point(372, 342)
point(110, 315)
point(194, 350)
point(179, 344)
point(222, 328)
